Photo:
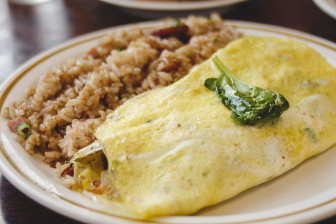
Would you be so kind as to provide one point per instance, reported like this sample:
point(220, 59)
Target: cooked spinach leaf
point(249, 104)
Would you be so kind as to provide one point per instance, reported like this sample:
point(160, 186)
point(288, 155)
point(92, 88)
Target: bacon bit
point(173, 65)
point(53, 164)
point(94, 52)
point(68, 171)
point(96, 183)
point(179, 32)
point(14, 124)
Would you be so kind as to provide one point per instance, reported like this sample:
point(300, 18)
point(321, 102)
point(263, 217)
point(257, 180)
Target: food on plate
point(72, 99)
point(175, 150)
point(249, 104)
point(175, 0)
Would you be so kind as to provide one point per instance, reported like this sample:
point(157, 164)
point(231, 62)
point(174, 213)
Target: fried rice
point(70, 100)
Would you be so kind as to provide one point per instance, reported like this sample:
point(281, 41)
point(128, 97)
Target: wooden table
point(27, 30)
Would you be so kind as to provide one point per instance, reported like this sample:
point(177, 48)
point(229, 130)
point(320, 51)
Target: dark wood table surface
point(27, 30)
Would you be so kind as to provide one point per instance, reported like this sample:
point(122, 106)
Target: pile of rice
point(71, 100)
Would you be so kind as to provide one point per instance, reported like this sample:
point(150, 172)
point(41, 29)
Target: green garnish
point(249, 104)
point(118, 48)
point(176, 23)
point(211, 21)
point(24, 129)
point(311, 134)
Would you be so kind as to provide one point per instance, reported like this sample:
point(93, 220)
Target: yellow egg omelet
point(175, 150)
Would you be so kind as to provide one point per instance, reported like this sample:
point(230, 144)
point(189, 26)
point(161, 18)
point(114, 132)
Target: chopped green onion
point(311, 134)
point(211, 21)
point(24, 129)
point(149, 122)
point(118, 48)
point(176, 23)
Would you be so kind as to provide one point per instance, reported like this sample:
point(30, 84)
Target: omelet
point(175, 150)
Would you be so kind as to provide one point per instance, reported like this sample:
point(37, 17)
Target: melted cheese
point(175, 150)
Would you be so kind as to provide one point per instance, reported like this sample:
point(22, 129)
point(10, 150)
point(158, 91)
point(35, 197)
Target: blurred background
point(26, 30)
point(27, 27)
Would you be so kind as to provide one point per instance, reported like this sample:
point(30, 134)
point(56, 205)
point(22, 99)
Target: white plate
point(305, 194)
point(159, 9)
point(327, 6)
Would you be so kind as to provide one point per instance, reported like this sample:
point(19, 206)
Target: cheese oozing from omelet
point(175, 150)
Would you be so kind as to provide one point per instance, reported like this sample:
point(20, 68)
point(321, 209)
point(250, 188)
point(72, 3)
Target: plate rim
point(33, 190)
point(171, 6)
point(327, 7)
